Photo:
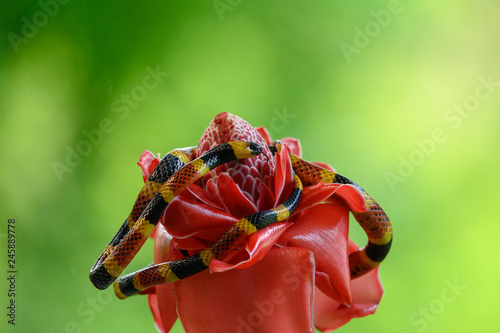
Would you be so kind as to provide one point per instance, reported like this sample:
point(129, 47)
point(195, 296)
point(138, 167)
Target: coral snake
point(373, 220)
point(177, 171)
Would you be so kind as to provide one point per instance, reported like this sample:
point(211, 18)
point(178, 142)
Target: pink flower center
point(248, 174)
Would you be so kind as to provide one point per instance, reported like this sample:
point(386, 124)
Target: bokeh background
point(401, 96)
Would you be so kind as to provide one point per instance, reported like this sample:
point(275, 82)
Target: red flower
point(288, 277)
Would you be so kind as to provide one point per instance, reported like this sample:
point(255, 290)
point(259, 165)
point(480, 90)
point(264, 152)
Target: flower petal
point(163, 300)
point(265, 134)
point(274, 295)
point(315, 195)
point(257, 246)
point(162, 304)
point(324, 229)
point(349, 196)
point(336, 194)
point(293, 144)
point(196, 193)
point(148, 163)
point(185, 217)
point(235, 202)
point(366, 293)
point(266, 196)
point(283, 176)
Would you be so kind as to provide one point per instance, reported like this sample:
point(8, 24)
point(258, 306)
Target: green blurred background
point(391, 93)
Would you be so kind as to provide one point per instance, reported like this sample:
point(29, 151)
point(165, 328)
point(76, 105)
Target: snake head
point(244, 149)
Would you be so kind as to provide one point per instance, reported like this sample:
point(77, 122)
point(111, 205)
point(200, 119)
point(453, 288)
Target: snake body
point(165, 169)
point(175, 270)
point(373, 220)
point(116, 257)
point(175, 172)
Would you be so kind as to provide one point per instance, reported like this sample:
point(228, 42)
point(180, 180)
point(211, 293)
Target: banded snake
point(177, 171)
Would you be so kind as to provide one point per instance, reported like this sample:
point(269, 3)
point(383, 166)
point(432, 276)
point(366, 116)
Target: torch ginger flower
point(288, 277)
